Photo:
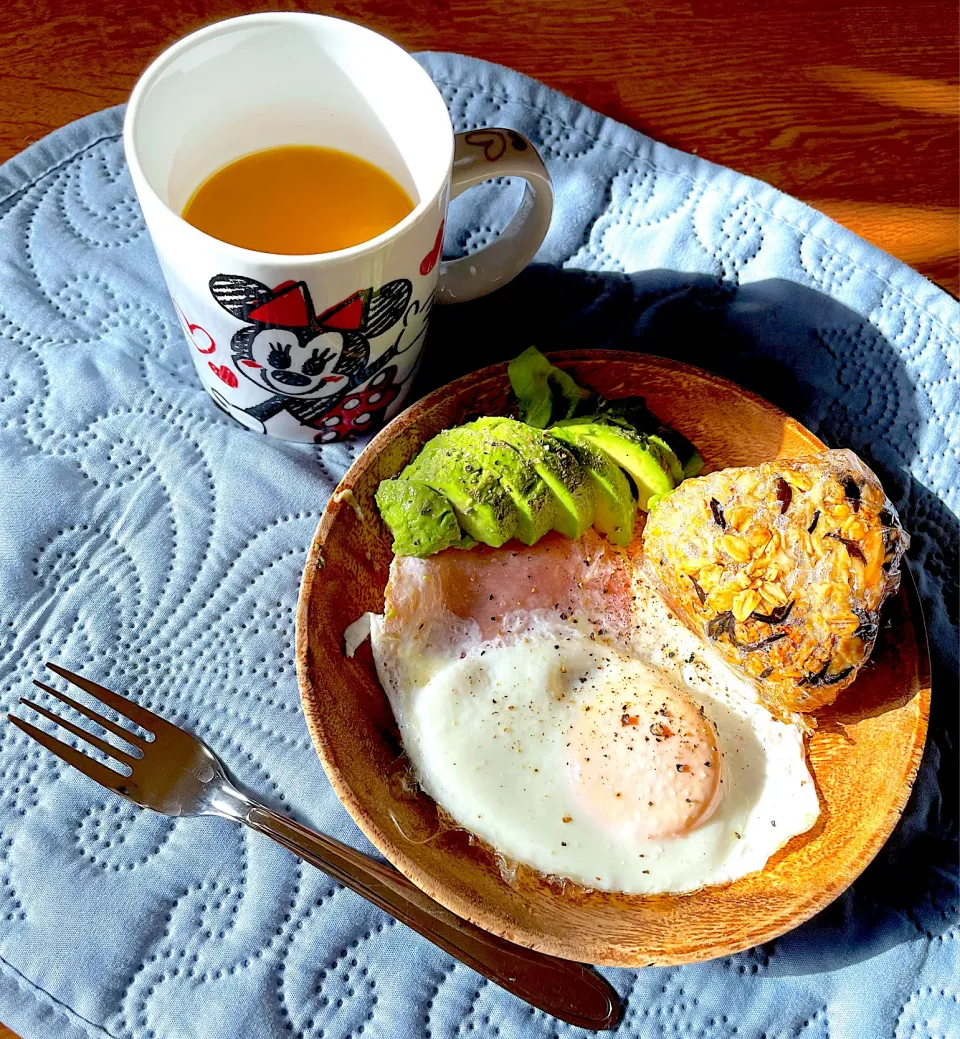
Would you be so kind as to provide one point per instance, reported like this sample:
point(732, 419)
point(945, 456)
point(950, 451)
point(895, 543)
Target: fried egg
point(553, 706)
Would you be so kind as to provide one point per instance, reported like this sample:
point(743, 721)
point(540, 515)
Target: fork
point(174, 773)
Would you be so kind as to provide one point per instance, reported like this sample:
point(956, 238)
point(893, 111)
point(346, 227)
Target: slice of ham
point(470, 596)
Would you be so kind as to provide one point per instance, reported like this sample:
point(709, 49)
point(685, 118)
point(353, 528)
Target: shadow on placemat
point(823, 363)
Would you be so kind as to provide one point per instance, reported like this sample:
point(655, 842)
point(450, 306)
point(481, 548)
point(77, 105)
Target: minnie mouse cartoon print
point(316, 368)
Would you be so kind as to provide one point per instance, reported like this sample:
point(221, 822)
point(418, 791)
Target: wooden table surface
point(850, 106)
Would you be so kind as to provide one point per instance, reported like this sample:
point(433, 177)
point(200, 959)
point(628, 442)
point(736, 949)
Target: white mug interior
point(263, 81)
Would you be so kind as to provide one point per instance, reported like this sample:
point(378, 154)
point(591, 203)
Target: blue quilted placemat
point(147, 540)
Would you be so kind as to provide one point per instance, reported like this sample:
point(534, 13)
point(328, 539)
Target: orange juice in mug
point(297, 199)
point(294, 172)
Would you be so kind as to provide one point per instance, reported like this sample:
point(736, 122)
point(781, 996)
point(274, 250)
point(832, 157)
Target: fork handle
point(566, 990)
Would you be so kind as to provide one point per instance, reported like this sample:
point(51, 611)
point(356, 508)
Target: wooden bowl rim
point(491, 919)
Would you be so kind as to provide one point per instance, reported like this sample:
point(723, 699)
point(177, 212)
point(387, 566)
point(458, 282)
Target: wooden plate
point(864, 754)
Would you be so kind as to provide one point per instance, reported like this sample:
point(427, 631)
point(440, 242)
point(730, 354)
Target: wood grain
point(863, 755)
point(851, 107)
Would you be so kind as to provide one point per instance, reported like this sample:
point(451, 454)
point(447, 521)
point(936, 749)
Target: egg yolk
point(642, 758)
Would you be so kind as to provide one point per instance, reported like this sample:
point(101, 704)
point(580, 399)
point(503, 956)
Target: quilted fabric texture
point(150, 542)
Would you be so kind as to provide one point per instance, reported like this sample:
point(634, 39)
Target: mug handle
point(480, 155)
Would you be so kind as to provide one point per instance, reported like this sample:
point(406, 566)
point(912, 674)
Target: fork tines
point(133, 712)
point(128, 710)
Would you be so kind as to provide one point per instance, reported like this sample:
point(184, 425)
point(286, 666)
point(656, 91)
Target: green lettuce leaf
point(545, 394)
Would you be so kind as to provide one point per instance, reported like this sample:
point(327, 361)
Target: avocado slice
point(456, 467)
point(667, 457)
point(556, 465)
point(422, 522)
point(693, 466)
point(633, 414)
point(616, 510)
point(633, 452)
point(527, 490)
point(634, 411)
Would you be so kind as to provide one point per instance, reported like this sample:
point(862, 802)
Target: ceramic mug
point(320, 347)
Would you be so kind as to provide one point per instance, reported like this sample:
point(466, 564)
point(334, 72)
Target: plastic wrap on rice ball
point(783, 567)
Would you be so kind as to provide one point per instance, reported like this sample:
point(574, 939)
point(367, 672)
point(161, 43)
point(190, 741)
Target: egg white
point(486, 727)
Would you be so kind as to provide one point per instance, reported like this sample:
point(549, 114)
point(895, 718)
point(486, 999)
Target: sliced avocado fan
point(633, 414)
point(556, 465)
point(616, 506)
point(455, 465)
point(534, 503)
point(572, 462)
point(644, 462)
